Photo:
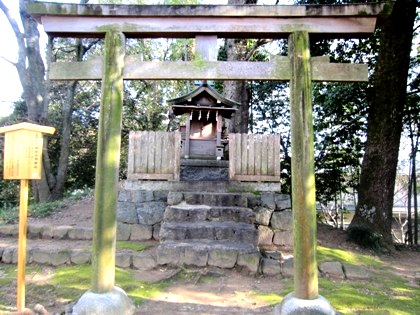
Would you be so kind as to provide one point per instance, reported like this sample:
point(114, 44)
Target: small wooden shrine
point(203, 135)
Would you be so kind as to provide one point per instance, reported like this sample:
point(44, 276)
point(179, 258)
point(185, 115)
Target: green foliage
point(340, 128)
point(37, 210)
point(366, 237)
point(10, 213)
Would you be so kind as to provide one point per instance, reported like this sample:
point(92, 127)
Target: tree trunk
point(63, 162)
point(236, 49)
point(377, 180)
point(31, 71)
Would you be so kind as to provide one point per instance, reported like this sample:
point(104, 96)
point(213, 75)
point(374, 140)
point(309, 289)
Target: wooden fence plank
point(251, 154)
point(244, 154)
point(258, 157)
point(142, 156)
point(270, 155)
point(165, 153)
point(277, 156)
point(177, 155)
point(130, 162)
point(265, 147)
point(151, 152)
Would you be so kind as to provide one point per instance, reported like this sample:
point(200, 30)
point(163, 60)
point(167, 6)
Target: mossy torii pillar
point(303, 179)
point(107, 164)
point(104, 297)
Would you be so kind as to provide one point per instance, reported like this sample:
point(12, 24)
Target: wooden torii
point(297, 23)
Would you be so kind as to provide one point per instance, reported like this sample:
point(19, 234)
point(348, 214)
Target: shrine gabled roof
point(204, 91)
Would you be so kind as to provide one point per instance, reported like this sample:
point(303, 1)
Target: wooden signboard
point(23, 150)
point(23, 160)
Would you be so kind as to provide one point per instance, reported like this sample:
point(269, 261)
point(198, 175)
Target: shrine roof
point(204, 91)
point(203, 98)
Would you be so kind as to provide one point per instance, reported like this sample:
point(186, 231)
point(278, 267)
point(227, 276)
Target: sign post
point(23, 160)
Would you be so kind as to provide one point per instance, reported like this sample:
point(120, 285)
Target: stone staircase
point(209, 229)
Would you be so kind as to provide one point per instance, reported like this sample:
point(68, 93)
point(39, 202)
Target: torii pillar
point(305, 298)
point(246, 21)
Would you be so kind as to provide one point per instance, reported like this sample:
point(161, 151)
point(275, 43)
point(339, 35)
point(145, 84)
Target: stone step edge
point(187, 206)
point(210, 224)
point(48, 231)
point(203, 213)
point(68, 232)
point(147, 260)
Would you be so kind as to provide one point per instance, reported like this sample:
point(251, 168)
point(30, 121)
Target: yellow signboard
point(23, 150)
point(23, 155)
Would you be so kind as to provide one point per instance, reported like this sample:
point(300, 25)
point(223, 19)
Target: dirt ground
point(229, 292)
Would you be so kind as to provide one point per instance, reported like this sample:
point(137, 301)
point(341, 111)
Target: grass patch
point(72, 282)
point(348, 257)
point(378, 296)
point(384, 293)
point(67, 284)
point(267, 297)
point(134, 246)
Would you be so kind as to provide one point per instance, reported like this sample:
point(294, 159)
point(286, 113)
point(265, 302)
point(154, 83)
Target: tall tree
point(377, 180)
point(31, 71)
point(238, 49)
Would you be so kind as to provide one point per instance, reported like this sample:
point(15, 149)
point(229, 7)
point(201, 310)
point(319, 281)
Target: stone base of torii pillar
point(115, 302)
point(292, 305)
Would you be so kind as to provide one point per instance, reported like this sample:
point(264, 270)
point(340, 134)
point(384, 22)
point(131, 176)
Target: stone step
point(216, 199)
point(201, 253)
point(208, 230)
point(196, 213)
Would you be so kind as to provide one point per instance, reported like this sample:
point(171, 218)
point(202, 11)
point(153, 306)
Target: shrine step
point(216, 199)
point(220, 231)
point(196, 213)
point(201, 253)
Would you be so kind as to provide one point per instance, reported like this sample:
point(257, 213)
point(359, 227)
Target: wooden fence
point(154, 155)
point(254, 158)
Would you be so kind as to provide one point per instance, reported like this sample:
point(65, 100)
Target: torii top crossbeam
point(239, 21)
point(189, 21)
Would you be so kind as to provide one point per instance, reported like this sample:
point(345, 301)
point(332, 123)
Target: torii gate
point(205, 22)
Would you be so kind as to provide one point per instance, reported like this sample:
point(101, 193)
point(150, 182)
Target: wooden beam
point(278, 69)
point(191, 26)
point(38, 9)
point(240, 21)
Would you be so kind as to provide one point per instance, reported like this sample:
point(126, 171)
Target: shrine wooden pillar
point(107, 164)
